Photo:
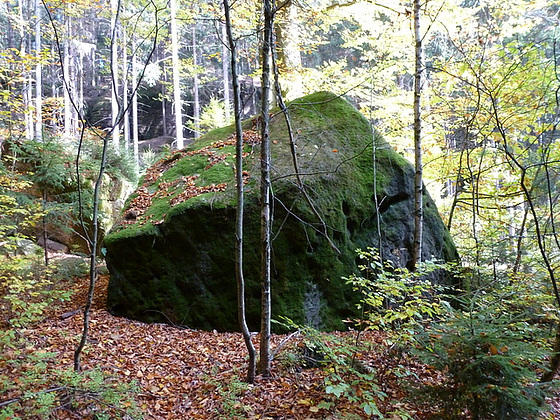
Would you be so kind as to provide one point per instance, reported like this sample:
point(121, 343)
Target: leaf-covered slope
point(172, 256)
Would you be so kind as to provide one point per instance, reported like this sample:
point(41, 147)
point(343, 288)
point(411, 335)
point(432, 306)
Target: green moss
point(133, 231)
point(218, 134)
point(187, 166)
point(217, 174)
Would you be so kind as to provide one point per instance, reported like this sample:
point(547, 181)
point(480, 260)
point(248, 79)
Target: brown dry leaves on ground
point(183, 374)
point(188, 374)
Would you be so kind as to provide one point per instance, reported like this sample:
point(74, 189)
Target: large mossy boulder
point(172, 256)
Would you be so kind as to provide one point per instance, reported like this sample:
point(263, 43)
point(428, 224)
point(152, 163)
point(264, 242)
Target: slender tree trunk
point(176, 80)
point(126, 119)
point(196, 105)
point(38, 74)
point(45, 231)
point(93, 242)
point(6, 11)
point(164, 118)
point(266, 213)
point(135, 107)
point(251, 369)
point(55, 122)
point(519, 241)
point(225, 73)
point(71, 76)
point(26, 93)
point(114, 74)
point(78, 85)
point(93, 236)
point(68, 109)
point(289, 51)
point(456, 190)
point(12, 68)
point(30, 124)
point(418, 184)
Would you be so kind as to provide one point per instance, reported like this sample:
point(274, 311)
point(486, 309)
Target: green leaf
point(338, 389)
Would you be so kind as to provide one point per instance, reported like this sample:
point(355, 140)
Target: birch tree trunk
point(225, 72)
point(418, 184)
point(68, 109)
point(196, 105)
point(38, 75)
point(135, 107)
point(26, 92)
point(163, 94)
point(126, 119)
point(251, 368)
point(266, 217)
point(114, 74)
point(72, 76)
point(53, 70)
point(176, 79)
point(30, 115)
point(78, 78)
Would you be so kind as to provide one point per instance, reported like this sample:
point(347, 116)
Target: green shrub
point(489, 353)
point(395, 299)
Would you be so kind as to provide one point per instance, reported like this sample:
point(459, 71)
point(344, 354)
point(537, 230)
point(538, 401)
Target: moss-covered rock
point(172, 256)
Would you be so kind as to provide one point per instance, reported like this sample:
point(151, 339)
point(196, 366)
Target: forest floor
point(189, 374)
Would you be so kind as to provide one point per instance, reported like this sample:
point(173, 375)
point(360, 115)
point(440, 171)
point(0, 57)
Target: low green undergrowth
point(491, 347)
point(482, 350)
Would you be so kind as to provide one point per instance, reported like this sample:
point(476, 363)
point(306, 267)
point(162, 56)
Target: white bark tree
point(196, 94)
point(135, 106)
point(126, 119)
point(418, 182)
point(225, 73)
point(26, 89)
point(38, 74)
point(68, 108)
point(115, 5)
point(177, 102)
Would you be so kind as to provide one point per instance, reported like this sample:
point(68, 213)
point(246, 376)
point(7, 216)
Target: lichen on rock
point(174, 260)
